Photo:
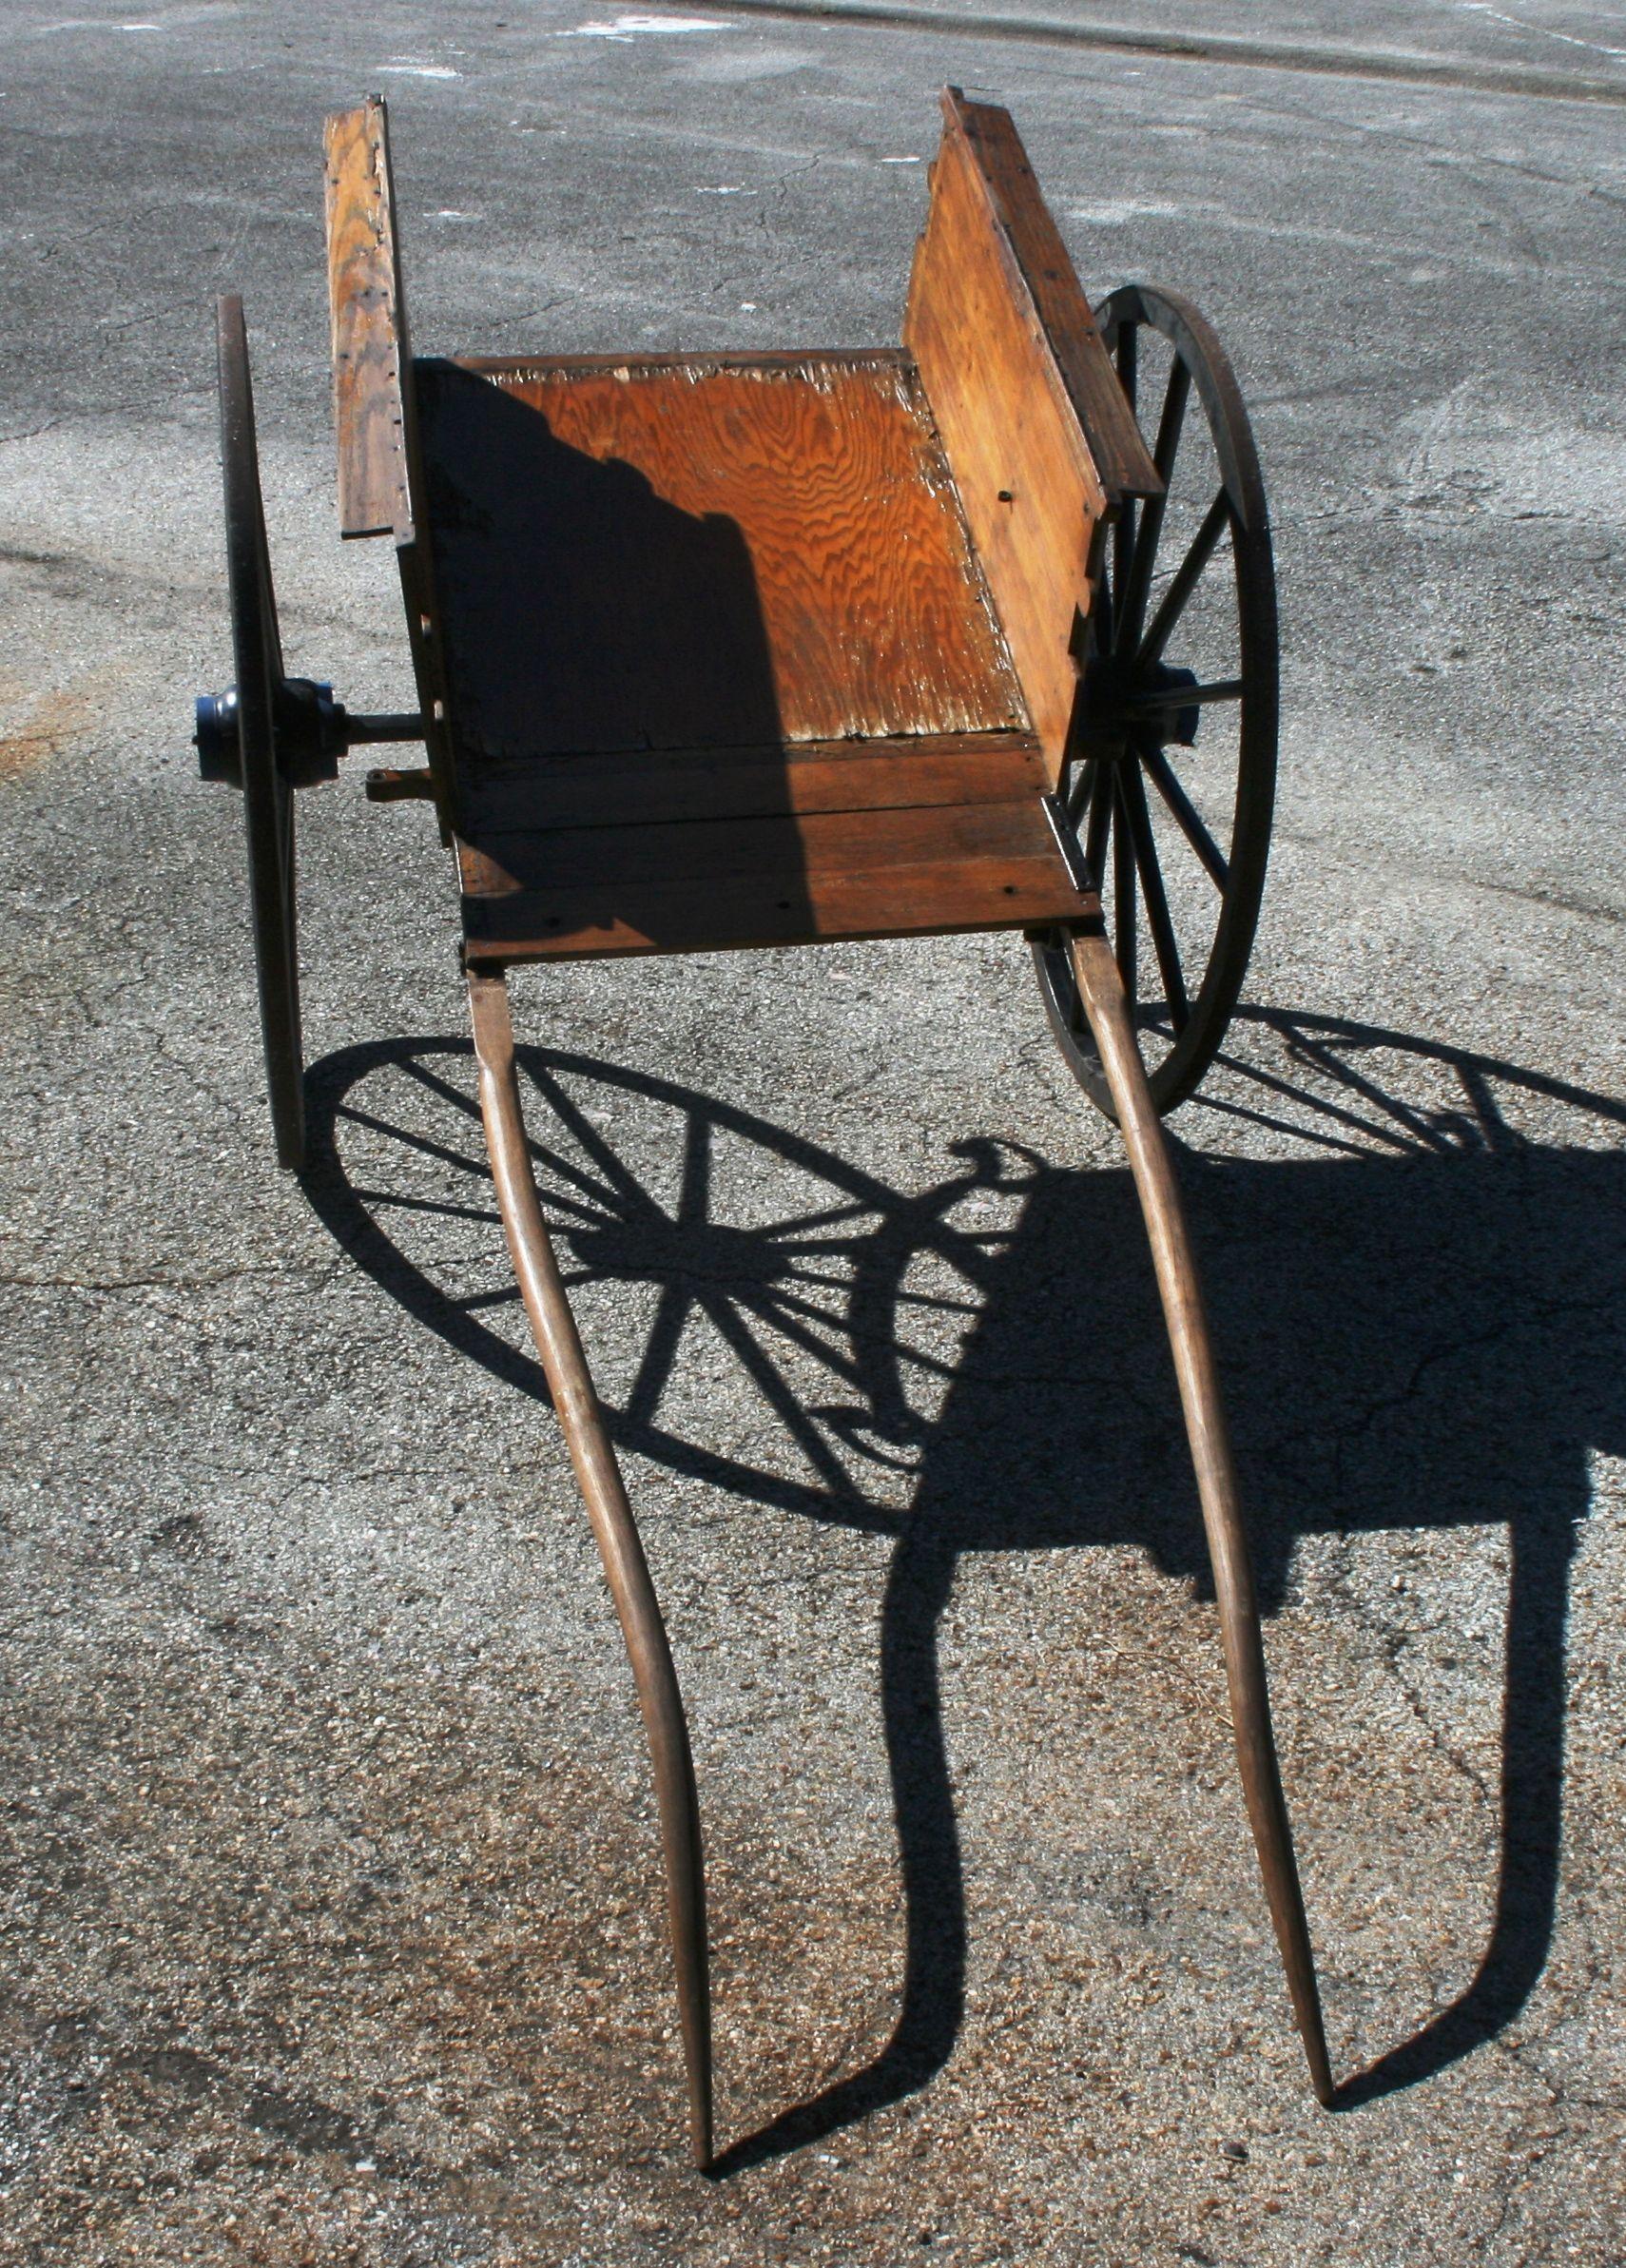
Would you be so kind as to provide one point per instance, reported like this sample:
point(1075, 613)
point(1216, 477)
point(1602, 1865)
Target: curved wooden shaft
point(613, 1528)
point(1107, 1007)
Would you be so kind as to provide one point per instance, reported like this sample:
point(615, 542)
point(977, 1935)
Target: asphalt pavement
point(332, 1918)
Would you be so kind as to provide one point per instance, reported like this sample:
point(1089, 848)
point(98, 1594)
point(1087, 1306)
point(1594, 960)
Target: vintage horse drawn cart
point(724, 651)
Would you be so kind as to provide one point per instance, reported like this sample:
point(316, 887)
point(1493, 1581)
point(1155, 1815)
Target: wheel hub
point(311, 733)
point(1121, 700)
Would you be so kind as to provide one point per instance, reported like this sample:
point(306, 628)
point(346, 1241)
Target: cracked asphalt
point(331, 1922)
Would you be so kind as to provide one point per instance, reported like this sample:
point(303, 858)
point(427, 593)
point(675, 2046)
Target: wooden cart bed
point(750, 650)
point(722, 667)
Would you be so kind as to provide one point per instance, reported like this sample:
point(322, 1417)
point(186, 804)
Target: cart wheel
point(238, 741)
point(1182, 658)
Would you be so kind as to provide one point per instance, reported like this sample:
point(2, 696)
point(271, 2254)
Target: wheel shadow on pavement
point(1420, 1309)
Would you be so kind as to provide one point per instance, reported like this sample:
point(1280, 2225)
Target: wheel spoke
point(1131, 614)
point(1100, 821)
point(1215, 521)
point(1157, 918)
point(1183, 696)
point(1169, 788)
point(1081, 793)
point(1124, 532)
point(1123, 564)
point(1123, 889)
point(1104, 614)
point(1172, 420)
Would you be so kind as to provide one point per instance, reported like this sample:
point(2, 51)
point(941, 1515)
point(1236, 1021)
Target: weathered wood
point(1107, 1007)
point(659, 554)
point(768, 910)
point(722, 851)
point(790, 360)
point(713, 885)
point(653, 786)
point(371, 403)
point(1114, 440)
point(1011, 417)
point(615, 1531)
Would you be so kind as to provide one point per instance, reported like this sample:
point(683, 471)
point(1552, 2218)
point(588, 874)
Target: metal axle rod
point(390, 725)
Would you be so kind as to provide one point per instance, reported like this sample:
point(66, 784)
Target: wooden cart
point(725, 650)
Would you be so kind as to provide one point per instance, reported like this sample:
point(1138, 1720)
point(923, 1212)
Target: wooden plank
point(943, 899)
point(649, 787)
point(722, 554)
point(709, 884)
point(786, 360)
point(717, 852)
point(370, 398)
point(1011, 428)
point(1115, 443)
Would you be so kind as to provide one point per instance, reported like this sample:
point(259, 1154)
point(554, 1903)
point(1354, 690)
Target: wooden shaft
point(613, 1528)
point(1107, 1008)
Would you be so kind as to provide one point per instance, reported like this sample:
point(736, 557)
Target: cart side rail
point(374, 403)
point(371, 403)
point(1039, 438)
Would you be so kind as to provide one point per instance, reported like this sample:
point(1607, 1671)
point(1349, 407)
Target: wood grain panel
point(371, 404)
point(586, 792)
point(663, 555)
point(584, 923)
point(1114, 440)
point(721, 851)
point(782, 879)
point(1026, 478)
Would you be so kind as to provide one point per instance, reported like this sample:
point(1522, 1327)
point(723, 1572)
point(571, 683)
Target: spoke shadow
point(1422, 1312)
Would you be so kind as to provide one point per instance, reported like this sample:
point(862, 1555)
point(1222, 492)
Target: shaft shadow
point(1422, 1312)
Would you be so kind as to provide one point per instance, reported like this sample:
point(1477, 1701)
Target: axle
point(311, 732)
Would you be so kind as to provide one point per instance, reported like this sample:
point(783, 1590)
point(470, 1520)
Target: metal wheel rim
point(1210, 377)
point(267, 798)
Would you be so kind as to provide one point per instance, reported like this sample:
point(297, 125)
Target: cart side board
point(375, 400)
point(370, 353)
point(1114, 438)
point(1025, 397)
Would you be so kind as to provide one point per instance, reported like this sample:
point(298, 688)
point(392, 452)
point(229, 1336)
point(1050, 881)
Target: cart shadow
point(1421, 1314)
point(587, 611)
point(581, 611)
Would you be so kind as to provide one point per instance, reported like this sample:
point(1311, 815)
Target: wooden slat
point(585, 791)
point(1122, 458)
point(1011, 428)
point(715, 852)
point(370, 401)
point(728, 553)
point(793, 361)
point(710, 885)
point(767, 909)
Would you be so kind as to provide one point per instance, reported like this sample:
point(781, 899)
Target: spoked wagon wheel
point(269, 734)
point(1173, 776)
point(237, 740)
